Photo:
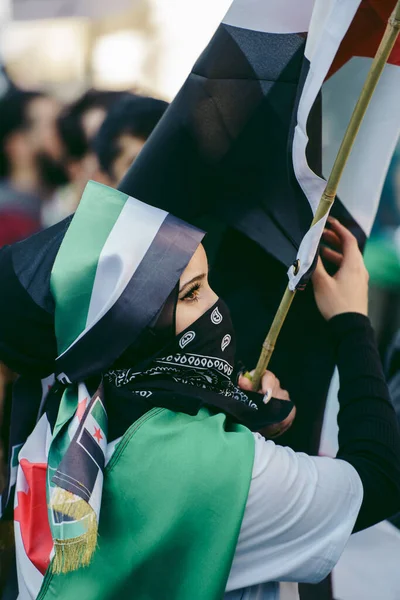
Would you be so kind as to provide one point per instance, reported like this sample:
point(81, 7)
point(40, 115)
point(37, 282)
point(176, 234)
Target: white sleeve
point(300, 513)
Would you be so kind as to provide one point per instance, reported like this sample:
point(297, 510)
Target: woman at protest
point(139, 472)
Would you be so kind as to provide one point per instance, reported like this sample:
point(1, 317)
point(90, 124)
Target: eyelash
point(192, 292)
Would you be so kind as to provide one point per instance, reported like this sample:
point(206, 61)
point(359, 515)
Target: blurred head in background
point(123, 134)
point(30, 161)
point(30, 149)
point(78, 125)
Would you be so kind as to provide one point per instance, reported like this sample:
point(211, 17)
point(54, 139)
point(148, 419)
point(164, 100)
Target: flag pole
point(328, 197)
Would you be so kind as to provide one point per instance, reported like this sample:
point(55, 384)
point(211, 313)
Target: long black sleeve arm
point(369, 436)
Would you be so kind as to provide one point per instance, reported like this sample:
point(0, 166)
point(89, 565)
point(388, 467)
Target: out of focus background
point(65, 67)
point(68, 46)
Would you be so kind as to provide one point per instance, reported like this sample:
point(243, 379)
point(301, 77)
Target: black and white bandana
point(196, 368)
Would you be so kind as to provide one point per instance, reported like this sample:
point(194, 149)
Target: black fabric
point(223, 147)
point(369, 436)
point(154, 337)
point(194, 369)
point(27, 336)
point(252, 283)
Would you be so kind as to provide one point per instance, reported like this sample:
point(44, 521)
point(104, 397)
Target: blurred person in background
point(77, 126)
point(123, 134)
point(30, 161)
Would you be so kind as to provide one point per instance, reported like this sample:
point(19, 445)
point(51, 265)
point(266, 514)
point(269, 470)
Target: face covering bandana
point(195, 369)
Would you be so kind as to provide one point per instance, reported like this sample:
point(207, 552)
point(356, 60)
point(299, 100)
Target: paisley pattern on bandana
point(208, 364)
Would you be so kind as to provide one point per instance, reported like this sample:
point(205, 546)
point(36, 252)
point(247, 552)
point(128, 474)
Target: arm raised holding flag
point(306, 507)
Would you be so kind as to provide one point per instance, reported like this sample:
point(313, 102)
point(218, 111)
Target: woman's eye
point(192, 294)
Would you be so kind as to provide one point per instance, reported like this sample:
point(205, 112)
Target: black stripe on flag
point(140, 302)
point(224, 146)
point(92, 448)
point(87, 453)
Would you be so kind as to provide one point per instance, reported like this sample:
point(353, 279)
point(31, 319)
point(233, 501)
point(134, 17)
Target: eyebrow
point(195, 279)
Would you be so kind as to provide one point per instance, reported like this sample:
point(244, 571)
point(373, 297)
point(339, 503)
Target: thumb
point(245, 384)
point(320, 276)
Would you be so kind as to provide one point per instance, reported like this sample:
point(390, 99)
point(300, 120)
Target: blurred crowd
point(48, 152)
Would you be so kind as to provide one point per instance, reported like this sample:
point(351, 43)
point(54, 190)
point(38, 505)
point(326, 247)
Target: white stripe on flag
point(124, 250)
point(129, 240)
point(361, 185)
point(35, 448)
point(35, 451)
point(96, 495)
point(327, 30)
point(307, 251)
point(270, 16)
point(336, 24)
point(323, 17)
point(30, 580)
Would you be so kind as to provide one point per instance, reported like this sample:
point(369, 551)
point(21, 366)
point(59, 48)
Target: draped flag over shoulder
point(243, 138)
point(81, 293)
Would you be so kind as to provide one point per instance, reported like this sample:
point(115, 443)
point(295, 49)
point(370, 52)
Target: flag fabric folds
point(243, 138)
point(245, 149)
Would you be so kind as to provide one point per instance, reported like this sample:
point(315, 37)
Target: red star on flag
point(81, 408)
point(97, 434)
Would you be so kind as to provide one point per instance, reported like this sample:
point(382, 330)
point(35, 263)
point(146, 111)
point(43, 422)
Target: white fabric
point(360, 187)
point(329, 445)
point(306, 253)
point(273, 16)
point(34, 451)
point(129, 240)
point(299, 516)
point(329, 25)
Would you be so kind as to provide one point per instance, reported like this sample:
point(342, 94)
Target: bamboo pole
point(328, 197)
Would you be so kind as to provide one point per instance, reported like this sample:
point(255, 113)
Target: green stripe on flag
point(99, 414)
point(14, 456)
point(75, 267)
point(66, 410)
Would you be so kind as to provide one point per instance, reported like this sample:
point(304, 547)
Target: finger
point(268, 384)
point(320, 275)
point(245, 383)
point(332, 256)
point(331, 238)
point(348, 240)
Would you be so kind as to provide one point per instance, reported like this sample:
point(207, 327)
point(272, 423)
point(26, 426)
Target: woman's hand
point(347, 290)
point(271, 388)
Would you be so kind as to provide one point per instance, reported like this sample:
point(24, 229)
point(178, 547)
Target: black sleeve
point(368, 430)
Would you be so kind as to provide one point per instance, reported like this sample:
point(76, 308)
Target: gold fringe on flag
point(77, 552)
